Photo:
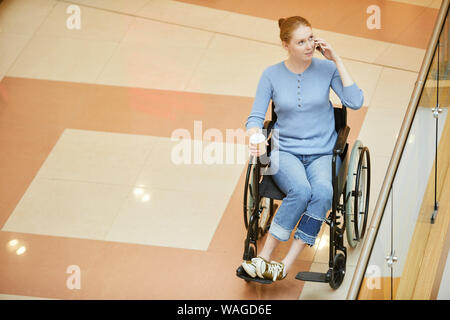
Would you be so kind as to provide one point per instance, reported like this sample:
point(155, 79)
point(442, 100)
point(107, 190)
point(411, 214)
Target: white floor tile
point(100, 157)
point(120, 6)
point(95, 24)
point(12, 45)
point(184, 14)
point(23, 17)
point(156, 55)
point(67, 209)
point(223, 70)
point(68, 59)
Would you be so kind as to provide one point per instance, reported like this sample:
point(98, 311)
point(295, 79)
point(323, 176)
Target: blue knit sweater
point(305, 116)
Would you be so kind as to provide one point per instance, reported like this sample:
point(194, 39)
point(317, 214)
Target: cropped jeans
point(307, 182)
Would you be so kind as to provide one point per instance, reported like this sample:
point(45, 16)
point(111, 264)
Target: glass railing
point(400, 237)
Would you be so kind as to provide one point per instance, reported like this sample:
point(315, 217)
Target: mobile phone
point(320, 49)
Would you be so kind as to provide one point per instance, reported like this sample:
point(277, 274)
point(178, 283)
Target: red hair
point(289, 25)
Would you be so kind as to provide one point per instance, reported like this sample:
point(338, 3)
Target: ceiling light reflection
point(138, 191)
point(141, 195)
point(13, 243)
point(21, 250)
point(17, 246)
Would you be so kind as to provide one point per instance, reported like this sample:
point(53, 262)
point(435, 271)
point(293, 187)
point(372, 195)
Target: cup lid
point(257, 138)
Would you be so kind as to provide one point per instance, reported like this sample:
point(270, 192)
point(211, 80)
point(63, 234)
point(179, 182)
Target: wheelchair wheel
point(358, 190)
point(265, 205)
point(338, 272)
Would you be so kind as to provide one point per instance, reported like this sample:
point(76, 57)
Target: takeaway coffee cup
point(259, 140)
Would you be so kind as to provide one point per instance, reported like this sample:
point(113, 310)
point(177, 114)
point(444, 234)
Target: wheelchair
point(349, 210)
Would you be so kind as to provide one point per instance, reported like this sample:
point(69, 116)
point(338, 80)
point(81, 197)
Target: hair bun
point(280, 22)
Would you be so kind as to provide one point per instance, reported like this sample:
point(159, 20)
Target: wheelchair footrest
point(313, 276)
point(240, 272)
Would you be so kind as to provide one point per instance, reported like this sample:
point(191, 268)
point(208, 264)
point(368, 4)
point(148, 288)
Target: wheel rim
point(248, 195)
point(361, 201)
point(349, 194)
point(249, 204)
point(367, 191)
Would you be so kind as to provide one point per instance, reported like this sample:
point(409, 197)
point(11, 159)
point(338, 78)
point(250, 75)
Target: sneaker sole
point(247, 269)
point(258, 269)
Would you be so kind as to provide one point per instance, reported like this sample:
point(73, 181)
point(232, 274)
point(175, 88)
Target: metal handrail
point(372, 231)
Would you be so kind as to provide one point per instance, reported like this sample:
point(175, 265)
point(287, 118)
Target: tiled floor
point(87, 124)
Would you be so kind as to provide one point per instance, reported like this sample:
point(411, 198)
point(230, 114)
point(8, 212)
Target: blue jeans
point(306, 181)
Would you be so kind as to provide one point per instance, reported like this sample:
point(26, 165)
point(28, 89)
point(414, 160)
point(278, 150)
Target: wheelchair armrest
point(268, 125)
point(339, 147)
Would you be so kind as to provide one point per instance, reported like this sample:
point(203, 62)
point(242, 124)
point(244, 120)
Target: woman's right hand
point(254, 151)
point(253, 148)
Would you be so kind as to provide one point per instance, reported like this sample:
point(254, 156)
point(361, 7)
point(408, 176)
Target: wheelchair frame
point(264, 187)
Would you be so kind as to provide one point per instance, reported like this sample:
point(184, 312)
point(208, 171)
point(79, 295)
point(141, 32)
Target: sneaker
point(274, 271)
point(255, 266)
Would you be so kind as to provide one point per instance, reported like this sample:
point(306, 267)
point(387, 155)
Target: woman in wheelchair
point(303, 139)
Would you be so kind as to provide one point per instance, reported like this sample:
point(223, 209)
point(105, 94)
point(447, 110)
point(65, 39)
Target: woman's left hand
point(327, 51)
